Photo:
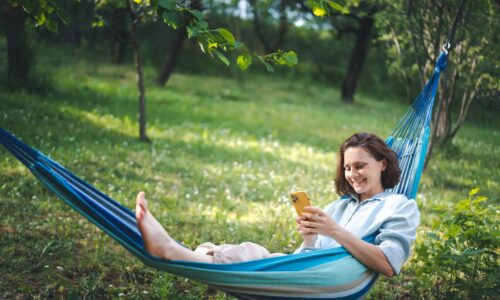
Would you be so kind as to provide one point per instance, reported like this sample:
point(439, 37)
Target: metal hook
point(446, 47)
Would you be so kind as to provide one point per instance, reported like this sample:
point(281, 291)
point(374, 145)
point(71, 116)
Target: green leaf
point(58, 10)
point(480, 199)
point(453, 230)
point(238, 45)
point(268, 66)
point(29, 7)
point(212, 46)
point(40, 19)
point(167, 4)
point(290, 58)
point(172, 18)
point(98, 24)
point(52, 25)
point(197, 14)
point(473, 192)
point(222, 57)
point(202, 24)
point(244, 60)
point(433, 235)
point(202, 45)
point(192, 31)
point(335, 6)
point(319, 10)
point(227, 35)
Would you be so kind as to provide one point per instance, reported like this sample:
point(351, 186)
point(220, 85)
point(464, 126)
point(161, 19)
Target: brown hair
point(379, 150)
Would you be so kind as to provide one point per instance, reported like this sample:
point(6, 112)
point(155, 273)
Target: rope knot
point(441, 62)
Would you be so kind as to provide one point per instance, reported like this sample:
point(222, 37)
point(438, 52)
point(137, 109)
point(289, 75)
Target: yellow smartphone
point(300, 200)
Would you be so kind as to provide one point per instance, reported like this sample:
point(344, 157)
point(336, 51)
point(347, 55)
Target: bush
point(459, 257)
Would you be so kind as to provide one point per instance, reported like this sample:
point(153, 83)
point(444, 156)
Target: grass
point(224, 155)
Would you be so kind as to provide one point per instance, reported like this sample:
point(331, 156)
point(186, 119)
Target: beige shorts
point(226, 253)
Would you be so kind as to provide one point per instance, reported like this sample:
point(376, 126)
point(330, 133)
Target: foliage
point(45, 13)
point(220, 40)
point(458, 258)
point(414, 39)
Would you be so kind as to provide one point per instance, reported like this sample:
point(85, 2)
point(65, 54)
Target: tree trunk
point(171, 56)
point(18, 59)
point(357, 59)
point(283, 27)
point(140, 80)
point(120, 36)
point(257, 28)
point(443, 125)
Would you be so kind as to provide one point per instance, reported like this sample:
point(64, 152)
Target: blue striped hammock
point(325, 274)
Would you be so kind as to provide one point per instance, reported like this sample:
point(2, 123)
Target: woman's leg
point(156, 239)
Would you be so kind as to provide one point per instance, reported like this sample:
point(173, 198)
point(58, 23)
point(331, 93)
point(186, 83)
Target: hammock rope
point(449, 41)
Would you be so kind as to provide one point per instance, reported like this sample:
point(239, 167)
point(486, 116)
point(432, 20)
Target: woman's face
point(363, 172)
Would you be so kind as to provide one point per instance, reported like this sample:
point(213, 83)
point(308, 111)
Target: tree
point(137, 13)
point(356, 17)
point(113, 17)
point(170, 59)
point(364, 17)
point(16, 13)
point(18, 59)
point(469, 73)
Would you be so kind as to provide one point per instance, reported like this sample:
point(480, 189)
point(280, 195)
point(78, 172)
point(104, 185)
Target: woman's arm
point(370, 255)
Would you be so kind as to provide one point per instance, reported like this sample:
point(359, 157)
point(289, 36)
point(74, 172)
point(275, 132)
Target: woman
point(366, 168)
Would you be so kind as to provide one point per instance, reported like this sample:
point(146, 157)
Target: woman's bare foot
point(155, 237)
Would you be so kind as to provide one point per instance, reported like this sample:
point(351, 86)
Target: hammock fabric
point(329, 273)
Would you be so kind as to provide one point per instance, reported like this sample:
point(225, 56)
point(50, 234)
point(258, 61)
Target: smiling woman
point(366, 168)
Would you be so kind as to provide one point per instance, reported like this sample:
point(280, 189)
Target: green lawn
point(225, 154)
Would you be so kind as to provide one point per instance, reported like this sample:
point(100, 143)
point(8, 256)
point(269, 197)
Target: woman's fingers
point(306, 231)
point(310, 216)
point(314, 210)
point(310, 224)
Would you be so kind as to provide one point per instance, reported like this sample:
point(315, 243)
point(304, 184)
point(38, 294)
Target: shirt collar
point(380, 196)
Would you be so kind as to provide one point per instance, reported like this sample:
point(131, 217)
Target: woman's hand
point(309, 238)
point(317, 222)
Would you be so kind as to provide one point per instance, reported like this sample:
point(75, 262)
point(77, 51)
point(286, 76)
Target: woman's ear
point(384, 164)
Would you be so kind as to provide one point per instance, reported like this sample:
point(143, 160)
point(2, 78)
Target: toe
point(141, 200)
point(139, 210)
